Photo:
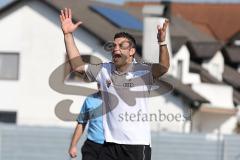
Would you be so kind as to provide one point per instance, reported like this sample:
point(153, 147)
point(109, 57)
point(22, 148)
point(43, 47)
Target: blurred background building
point(204, 44)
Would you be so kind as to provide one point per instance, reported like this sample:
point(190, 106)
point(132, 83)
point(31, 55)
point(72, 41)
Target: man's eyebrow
point(122, 41)
point(125, 39)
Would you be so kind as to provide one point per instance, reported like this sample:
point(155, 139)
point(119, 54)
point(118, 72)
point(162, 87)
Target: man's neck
point(123, 68)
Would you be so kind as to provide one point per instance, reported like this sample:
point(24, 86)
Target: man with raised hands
point(125, 139)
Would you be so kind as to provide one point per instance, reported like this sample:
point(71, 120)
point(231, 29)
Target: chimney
point(153, 15)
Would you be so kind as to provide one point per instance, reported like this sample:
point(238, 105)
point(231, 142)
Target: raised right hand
point(66, 21)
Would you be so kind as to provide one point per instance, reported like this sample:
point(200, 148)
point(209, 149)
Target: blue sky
point(3, 2)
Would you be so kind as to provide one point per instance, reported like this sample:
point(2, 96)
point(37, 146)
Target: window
point(216, 71)
point(8, 116)
point(9, 66)
point(179, 69)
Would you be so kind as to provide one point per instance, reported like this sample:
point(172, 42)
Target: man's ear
point(132, 51)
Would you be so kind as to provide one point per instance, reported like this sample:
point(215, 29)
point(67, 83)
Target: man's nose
point(116, 47)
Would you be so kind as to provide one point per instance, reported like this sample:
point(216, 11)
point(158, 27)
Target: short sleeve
point(149, 67)
point(158, 70)
point(151, 77)
point(83, 115)
point(92, 71)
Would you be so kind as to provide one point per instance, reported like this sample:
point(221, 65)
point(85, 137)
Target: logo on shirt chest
point(121, 82)
point(128, 85)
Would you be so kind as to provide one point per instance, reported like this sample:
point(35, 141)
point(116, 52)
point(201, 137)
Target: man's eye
point(125, 45)
point(109, 46)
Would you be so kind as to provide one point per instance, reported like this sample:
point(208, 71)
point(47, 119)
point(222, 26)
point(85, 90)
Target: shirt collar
point(129, 69)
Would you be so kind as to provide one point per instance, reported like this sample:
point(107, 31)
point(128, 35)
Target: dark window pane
point(8, 117)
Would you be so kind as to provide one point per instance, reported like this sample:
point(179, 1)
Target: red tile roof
point(219, 20)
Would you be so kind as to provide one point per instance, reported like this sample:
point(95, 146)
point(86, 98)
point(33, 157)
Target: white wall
point(213, 123)
point(184, 56)
point(166, 107)
point(215, 65)
point(219, 95)
point(150, 42)
point(237, 42)
point(34, 32)
point(39, 41)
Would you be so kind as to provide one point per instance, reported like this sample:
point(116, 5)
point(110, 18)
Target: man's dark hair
point(126, 35)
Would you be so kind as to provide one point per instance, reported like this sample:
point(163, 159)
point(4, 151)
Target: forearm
point(158, 69)
point(76, 61)
point(163, 65)
point(77, 134)
point(164, 56)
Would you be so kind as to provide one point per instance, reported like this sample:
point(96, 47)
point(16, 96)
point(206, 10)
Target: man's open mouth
point(116, 57)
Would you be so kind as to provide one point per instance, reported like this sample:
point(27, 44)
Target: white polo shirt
point(125, 100)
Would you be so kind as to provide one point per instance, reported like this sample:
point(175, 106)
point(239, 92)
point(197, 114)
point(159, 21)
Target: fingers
point(72, 154)
point(66, 13)
point(78, 23)
point(61, 18)
point(70, 13)
point(165, 25)
point(62, 15)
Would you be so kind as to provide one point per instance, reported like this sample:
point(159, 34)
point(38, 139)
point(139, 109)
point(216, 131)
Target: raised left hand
point(161, 35)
